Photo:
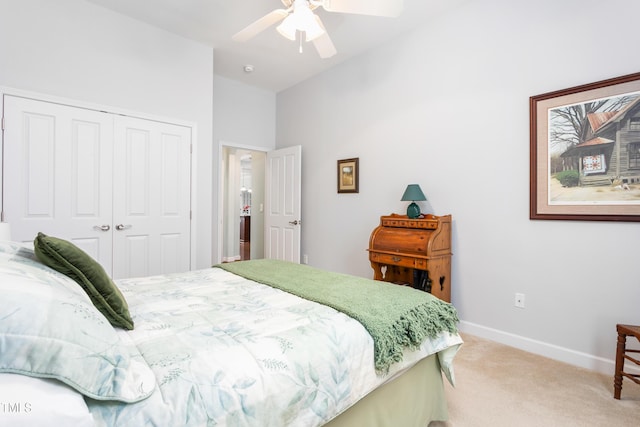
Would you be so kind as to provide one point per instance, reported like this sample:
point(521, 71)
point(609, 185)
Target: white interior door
point(283, 204)
point(57, 174)
point(151, 203)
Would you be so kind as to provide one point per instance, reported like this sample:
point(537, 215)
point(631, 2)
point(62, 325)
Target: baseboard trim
point(572, 357)
point(232, 258)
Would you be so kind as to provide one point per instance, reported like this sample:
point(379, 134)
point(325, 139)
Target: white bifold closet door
point(118, 187)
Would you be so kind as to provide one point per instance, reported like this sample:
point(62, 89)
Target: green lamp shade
point(413, 193)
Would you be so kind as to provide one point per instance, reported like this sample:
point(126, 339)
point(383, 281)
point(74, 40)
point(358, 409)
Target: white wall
point(446, 106)
point(244, 117)
point(79, 51)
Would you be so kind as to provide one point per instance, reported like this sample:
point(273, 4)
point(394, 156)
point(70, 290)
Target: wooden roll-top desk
point(413, 252)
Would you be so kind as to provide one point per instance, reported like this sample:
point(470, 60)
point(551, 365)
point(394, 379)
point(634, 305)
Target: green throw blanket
point(395, 316)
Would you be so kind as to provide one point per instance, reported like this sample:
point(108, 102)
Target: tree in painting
point(569, 125)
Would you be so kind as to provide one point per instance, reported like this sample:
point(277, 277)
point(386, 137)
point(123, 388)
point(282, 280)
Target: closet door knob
point(104, 227)
point(121, 227)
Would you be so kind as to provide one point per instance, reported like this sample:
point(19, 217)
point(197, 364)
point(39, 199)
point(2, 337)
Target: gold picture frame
point(585, 152)
point(348, 172)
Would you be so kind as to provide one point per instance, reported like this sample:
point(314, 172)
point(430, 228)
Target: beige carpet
point(497, 385)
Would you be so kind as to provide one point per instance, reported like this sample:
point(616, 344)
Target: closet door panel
point(36, 155)
point(91, 164)
point(136, 263)
point(136, 178)
point(172, 170)
point(173, 205)
point(152, 204)
point(170, 251)
point(57, 174)
point(89, 198)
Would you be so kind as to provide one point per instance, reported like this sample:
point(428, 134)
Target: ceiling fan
point(299, 16)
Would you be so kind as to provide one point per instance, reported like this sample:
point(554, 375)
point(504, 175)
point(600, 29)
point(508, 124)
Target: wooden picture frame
point(585, 152)
point(348, 172)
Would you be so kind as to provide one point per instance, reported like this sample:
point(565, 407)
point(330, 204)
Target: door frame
point(4, 90)
point(221, 184)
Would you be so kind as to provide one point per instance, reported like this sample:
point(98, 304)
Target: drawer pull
point(396, 259)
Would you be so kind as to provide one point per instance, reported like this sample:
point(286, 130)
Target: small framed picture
point(348, 176)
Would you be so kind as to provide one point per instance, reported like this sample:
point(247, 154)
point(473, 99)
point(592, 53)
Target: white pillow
point(51, 329)
point(35, 402)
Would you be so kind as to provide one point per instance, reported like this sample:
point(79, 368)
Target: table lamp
point(413, 193)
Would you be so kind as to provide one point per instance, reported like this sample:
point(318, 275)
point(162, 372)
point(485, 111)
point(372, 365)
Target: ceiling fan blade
point(323, 43)
point(390, 8)
point(260, 25)
point(324, 46)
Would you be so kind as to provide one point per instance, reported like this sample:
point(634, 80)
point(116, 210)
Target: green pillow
point(70, 260)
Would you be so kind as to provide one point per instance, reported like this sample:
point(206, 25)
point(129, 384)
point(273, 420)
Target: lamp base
point(413, 210)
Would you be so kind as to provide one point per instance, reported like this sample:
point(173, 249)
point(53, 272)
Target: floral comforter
point(227, 351)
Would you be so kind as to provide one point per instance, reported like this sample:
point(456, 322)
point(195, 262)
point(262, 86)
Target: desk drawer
point(409, 223)
point(403, 261)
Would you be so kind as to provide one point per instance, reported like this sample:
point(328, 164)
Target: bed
point(231, 345)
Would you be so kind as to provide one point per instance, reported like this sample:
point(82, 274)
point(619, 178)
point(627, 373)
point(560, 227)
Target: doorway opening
point(246, 191)
point(242, 212)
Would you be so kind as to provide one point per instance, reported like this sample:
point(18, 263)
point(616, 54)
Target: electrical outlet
point(519, 300)
point(305, 259)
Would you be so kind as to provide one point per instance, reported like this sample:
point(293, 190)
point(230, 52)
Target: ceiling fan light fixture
point(302, 19)
point(288, 28)
point(313, 30)
point(298, 15)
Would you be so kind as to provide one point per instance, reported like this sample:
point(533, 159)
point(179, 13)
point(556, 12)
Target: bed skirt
point(413, 399)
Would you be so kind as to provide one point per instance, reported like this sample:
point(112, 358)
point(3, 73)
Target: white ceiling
point(276, 60)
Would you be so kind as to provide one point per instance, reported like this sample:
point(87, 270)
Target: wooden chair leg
point(617, 378)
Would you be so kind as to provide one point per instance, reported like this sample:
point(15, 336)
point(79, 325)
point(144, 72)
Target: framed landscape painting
point(348, 181)
point(585, 152)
